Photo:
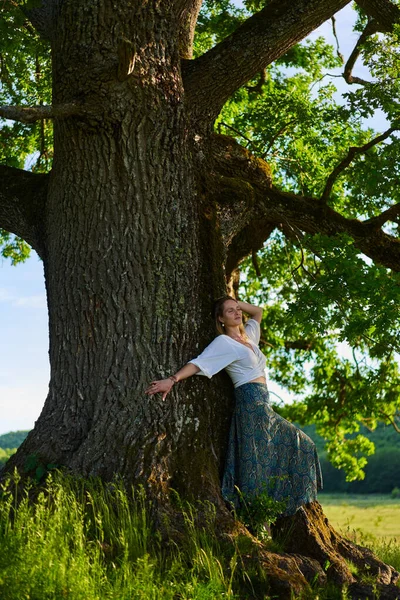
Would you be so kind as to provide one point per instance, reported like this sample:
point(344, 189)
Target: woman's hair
point(218, 312)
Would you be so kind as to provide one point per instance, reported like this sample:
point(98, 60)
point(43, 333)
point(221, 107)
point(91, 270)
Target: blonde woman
point(265, 452)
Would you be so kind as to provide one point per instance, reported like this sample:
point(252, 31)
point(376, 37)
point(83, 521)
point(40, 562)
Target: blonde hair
point(219, 311)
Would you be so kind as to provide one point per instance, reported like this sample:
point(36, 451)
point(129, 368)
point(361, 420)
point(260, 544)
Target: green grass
point(375, 515)
point(85, 540)
point(369, 520)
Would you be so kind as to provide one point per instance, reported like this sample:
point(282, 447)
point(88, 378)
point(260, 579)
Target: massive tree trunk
point(129, 273)
point(142, 220)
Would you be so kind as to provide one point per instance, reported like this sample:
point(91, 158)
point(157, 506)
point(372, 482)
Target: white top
point(241, 363)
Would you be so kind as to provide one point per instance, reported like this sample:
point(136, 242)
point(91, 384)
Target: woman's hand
point(162, 386)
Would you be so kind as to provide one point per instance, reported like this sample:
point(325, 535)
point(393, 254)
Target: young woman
point(266, 453)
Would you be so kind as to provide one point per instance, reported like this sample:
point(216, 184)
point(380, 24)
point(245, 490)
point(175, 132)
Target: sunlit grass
point(88, 540)
point(372, 514)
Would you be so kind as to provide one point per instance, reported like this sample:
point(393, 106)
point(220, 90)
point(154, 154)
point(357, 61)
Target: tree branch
point(31, 114)
point(22, 201)
point(391, 421)
point(339, 54)
point(389, 214)
point(352, 153)
point(188, 11)
point(371, 28)
point(213, 77)
point(384, 12)
point(256, 207)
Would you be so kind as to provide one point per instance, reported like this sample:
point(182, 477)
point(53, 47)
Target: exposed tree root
point(316, 546)
point(313, 556)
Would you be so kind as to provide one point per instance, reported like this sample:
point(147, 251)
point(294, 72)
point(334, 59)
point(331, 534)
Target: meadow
point(368, 515)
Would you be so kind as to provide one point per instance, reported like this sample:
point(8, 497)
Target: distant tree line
point(9, 443)
point(382, 473)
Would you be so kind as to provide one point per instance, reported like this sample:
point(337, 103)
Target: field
point(370, 514)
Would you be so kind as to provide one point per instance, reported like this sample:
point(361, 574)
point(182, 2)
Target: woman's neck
point(233, 332)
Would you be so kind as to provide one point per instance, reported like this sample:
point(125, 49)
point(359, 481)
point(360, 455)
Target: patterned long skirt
point(267, 453)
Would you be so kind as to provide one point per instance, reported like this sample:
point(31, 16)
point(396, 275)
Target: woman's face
point(231, 314)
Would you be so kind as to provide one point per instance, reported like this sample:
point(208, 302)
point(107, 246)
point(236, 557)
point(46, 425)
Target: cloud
point(38, 301)
point(35, 301)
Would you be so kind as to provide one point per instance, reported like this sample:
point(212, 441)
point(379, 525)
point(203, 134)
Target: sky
point(24, 367)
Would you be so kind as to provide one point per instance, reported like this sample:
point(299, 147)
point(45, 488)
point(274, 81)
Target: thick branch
point(389, 214)
point(305, 214)
point(188, 11)
point(370, 29)
point(213, 77)
point(22, 201)
point(31, 114)
point(384, 12)
point(234, 168)
point(248, 241)
point(352, 153)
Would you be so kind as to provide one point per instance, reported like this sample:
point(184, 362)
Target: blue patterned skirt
point(267, 453)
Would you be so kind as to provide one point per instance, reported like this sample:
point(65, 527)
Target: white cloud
point(38, 301)
point(35, 301)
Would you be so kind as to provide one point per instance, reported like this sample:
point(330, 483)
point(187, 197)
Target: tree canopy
point(321, 251)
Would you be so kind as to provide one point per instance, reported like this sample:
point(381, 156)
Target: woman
point(265, 452)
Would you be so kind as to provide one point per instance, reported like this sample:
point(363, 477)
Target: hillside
point(13, 439)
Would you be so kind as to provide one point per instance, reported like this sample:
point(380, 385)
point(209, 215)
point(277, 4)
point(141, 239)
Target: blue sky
point(24, 368)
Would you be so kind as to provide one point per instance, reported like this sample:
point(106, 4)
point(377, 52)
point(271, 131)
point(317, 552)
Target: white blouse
point(241, 363)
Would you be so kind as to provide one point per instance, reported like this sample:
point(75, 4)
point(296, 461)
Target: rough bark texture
point(126, 279)
point(142, 218)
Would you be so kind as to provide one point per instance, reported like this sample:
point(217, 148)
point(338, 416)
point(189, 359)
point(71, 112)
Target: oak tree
point(150, 189)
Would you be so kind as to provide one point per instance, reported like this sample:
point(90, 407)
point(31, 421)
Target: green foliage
point(38, 469)
point(258, 511)
point(395, 492)
point(13, 247)
point(382, 475)
point(25, 70)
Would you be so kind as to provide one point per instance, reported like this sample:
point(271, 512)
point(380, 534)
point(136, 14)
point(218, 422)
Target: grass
point(376, 515)
point(369, 520)
point(85, 540)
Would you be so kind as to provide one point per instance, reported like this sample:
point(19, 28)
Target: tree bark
point(22, 205)
point(129, 278)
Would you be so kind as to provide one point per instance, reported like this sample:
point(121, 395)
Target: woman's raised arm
point(255, 312)
point(163, 386)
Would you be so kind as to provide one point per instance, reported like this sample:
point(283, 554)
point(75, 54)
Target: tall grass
point(89, 540)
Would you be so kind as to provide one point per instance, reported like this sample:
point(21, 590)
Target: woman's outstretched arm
point(163, 386)
point(255, 312)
